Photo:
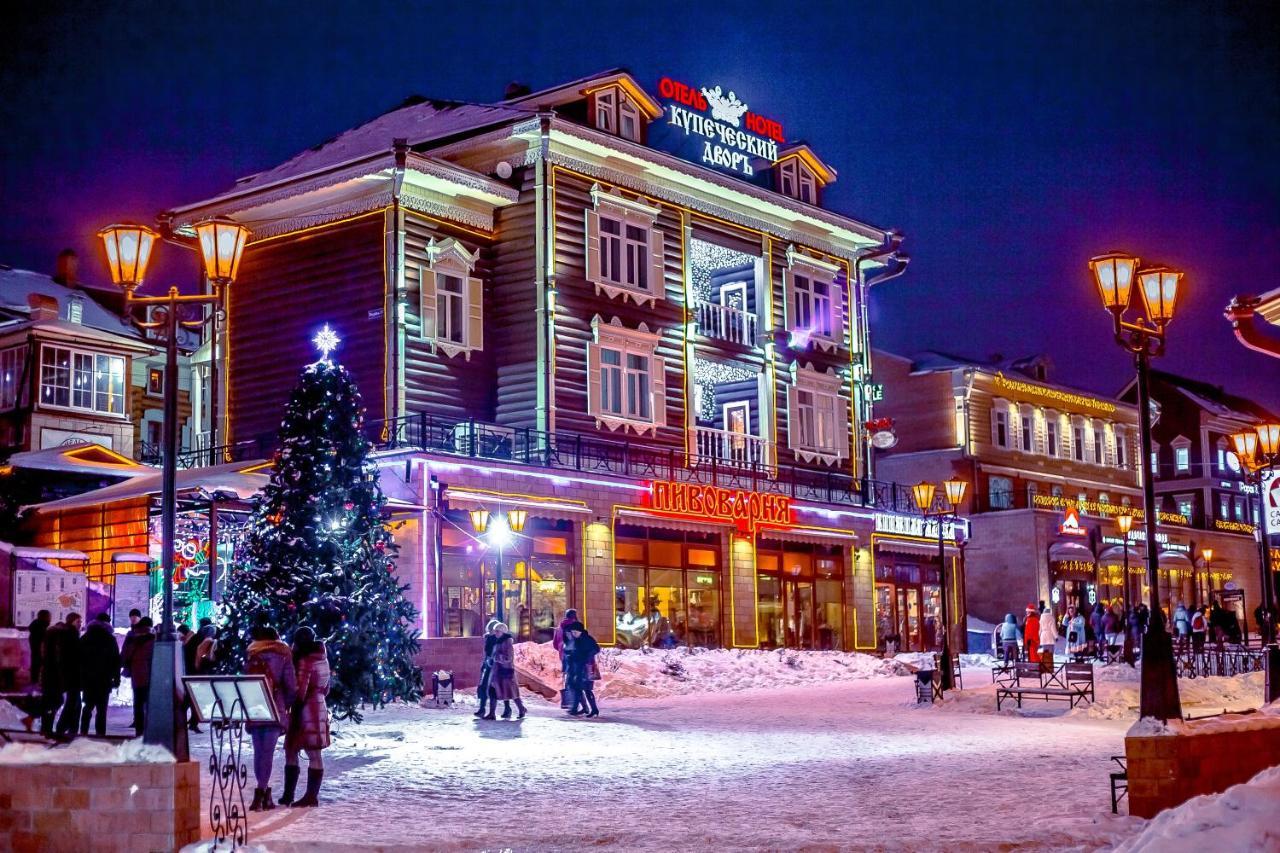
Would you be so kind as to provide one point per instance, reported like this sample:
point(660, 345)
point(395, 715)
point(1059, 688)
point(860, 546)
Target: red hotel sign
point(745, 509)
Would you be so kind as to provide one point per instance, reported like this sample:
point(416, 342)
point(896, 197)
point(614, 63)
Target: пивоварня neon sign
point(727, 145)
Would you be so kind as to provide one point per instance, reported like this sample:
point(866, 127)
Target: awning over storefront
point(227, 481)
point(906, 547)
point(1115, 553)
point(664, 522)
point(1062, 550)
point(553, 509)
point(815, 536)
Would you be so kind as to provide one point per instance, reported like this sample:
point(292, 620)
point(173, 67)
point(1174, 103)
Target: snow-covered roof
point(1214, 398)
point(80, 458)
point(17, 286)
point(417, 120)
point(230, 478)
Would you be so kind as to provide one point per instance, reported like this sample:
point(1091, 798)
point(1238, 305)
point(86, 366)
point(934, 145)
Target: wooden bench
point(1072, 682)
point(1119, 783)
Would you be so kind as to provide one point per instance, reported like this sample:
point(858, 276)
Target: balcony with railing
point(731, 449)
point(726, 323)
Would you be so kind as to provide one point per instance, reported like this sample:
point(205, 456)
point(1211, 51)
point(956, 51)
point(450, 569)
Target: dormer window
point(798, 181)
point(616, 113)
point(75, 308)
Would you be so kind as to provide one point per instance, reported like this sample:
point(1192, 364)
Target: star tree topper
point(326, 340)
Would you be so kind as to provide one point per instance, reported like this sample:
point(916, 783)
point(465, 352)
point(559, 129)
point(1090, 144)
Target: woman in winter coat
point(1009, 638)
point(582, 669)
point(269, 657)
point(1031, 634)
point(1048, 633)
point(484, 690)
point(503, 679)
point(1077, 641)
point(309, 722)
point(135, 663)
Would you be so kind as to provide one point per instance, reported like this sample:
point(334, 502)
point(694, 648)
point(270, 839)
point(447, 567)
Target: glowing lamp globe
point(1113, 274)
point(1269, 440)
point(955, 490)
point(1124, 522)
point(516, 519)
point(1208, 555)
point(923, 495)
point(479, 520)
point(221, 246)
point(1159, 288)
point(128, 252)
point(1246, 445)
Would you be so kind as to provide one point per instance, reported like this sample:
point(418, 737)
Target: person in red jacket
point(1031, 633)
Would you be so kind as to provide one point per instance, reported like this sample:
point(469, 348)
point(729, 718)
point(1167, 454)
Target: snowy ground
point(699, 752)
point(844, 763)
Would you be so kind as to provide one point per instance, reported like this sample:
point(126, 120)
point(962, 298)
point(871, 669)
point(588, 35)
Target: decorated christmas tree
point(318, 553)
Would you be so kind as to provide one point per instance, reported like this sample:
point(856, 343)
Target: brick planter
point(1200, 757)
point(52, 808)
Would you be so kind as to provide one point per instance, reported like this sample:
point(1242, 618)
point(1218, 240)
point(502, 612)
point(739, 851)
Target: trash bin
point(924, 686)
point(442, 688)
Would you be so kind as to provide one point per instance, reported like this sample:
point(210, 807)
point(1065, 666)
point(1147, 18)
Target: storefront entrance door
point(799, 604)
point(909, 617)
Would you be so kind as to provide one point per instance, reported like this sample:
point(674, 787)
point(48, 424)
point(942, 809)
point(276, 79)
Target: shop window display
point(800, 596)
point(668, 589)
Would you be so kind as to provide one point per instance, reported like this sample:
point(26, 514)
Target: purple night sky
point(1009, 141)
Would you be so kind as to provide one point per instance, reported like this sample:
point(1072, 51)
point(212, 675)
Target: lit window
point(1186, 504)
point(82, 380)
point(1182, 459)
point(12, 363)
point(1222, 456)
point(818, 416)
point(1056, 491)
point(1104, 498)
point(75, 308)
point(1155, 460)
point(155, 381)
point(1224, 507)
point(1241, 509)
point(813, 305)
point(1081, 498)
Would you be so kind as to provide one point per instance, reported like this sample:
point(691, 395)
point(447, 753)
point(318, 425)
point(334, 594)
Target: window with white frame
point(1104, 498)
point(1053, 441)
point(626, 380)
point(1027, 430)
point(76, 379)
point(1055, 490)
point(797, 181)
point(1241, 508)
point(1224, 506)
point(625, 252)
point(1155, 459)
point(1000, 425)
point(818, 415)
point(1077, 442)
point(451, 299)
point(12, 363)
point(814, 301)
point(1099, 444)
point(1000, 492)
point(1181, 455)
point(1222, 455)
point(1121, 440)
point(616, 113)
point(1186, 505)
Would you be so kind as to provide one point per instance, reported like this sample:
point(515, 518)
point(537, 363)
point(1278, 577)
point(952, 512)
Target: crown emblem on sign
point(726, 108)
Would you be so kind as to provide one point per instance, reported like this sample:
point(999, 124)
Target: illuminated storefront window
point(800, 591)
point(668, 589)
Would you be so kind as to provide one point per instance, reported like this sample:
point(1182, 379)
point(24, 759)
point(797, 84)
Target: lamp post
point(498, 530)
point(1207, 553)
point(1144, 339)
point(129, 250)
point(953, 493)
point(1259, 451)
point(1124, 523)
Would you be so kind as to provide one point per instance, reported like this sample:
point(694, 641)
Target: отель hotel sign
point(734, 136)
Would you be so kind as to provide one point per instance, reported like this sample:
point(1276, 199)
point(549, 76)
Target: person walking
point(563, 644)
point(135, 660)
point(100, 672)
point(1077, 643)
point(1111, 631)
point(484, 690)
point(1009, 638)
point(583, 672)
point(68, 640)
point(1031, 634)
point(503, 678)
point(269, 657)
point(35, 640)
point(52, 686)
point(309, 721)
point(1095, 627)
point(1048, 636)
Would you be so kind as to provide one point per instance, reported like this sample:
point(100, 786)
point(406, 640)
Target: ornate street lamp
point(923, 494)
point(1124, 523)
point(499, 531)
point(129, 250)
point(1207, 553)
point(1259, 451)
point(1145, 339)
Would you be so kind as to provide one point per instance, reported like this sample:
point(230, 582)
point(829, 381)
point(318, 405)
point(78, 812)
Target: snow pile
point(1119, 687)
point(85, 751)
point(648, 673)
point(1241, 819)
